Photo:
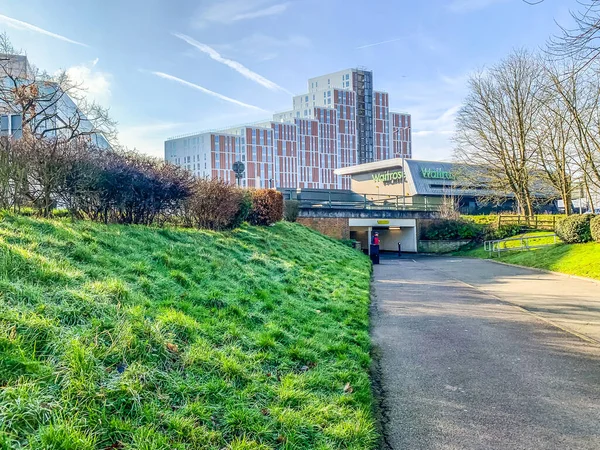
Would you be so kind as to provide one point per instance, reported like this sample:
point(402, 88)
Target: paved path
point(463, 369)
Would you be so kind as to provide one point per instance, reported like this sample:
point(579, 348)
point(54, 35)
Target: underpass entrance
point(391, 232)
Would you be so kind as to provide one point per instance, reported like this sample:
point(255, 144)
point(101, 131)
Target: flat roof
point(370, 167)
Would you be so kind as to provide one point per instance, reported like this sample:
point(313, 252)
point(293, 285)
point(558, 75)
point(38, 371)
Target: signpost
point(239, 169)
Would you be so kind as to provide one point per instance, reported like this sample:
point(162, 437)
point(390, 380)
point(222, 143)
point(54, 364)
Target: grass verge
point(572, 259)
point(115, 337)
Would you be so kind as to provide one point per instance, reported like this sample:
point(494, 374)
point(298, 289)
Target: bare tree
point(48, 106)
point(579, 92)
point(496, 127)
point(554, 135)
point(582, 41)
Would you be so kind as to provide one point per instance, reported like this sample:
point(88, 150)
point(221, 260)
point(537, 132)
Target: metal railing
point(498, 246)
point(373, 202)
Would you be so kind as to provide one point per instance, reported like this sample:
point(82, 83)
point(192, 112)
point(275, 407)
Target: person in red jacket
point(376, 239)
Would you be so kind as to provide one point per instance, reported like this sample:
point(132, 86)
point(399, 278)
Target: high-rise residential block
point(340, 122)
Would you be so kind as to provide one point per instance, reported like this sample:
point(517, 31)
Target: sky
point(172, 67)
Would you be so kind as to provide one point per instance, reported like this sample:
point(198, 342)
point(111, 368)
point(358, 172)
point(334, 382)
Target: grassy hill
point(573, 259)
point(115, 337)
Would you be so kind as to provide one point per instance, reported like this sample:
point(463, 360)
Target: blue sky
point(172, 67)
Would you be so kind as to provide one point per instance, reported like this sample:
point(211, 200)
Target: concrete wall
point(335, 227)
point(441, 246)
point(389, 240)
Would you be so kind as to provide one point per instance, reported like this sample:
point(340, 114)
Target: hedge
point(595, 228)
point(450, 229)
point(575, 229)
point(216, 205)
point(267, 207)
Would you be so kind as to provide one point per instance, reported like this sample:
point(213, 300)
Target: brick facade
point(337, 228)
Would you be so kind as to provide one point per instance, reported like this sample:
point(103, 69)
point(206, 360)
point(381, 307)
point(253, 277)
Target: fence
point(530, 223)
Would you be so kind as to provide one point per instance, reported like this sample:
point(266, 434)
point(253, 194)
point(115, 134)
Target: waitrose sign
point(437, 174)
point(389, 177)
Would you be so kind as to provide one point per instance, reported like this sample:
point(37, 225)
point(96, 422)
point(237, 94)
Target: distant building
point(61, 115)
point(430, 184)
point(340, 122)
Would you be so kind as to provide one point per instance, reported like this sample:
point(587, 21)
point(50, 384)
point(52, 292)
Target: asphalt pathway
point(462, 367)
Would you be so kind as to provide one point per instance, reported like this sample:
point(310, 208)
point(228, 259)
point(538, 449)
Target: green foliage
point(116, 336)
point(449, 230)
point(502, 232)
point(292, 209)
point(595, 228)
point(267, 207)
point(575, 229)
point(489, 219)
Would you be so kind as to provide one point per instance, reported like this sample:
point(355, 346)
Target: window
point(328, 93)
point(306, 99)
point(4, 125)
point(347, 76)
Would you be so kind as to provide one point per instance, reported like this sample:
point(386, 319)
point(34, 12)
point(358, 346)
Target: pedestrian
point(376, 239)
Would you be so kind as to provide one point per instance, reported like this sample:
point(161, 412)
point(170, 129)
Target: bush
point(244, 209)
point(450, 230)
point(575, 229)
point(595, 228)
point(125, 187)
point(267, 207)
point(216, 205)
point(292, 209)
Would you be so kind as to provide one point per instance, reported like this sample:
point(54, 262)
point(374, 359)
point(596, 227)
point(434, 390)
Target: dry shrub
point(267, 207)
point(216, 205)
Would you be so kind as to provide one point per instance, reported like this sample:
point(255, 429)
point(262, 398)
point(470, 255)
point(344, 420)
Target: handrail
point(494, 246)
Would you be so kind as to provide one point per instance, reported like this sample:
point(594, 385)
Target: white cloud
point(19, 25)
point(149, 138)
point(240, 68)
point(95, 83)
point(464, 6)
point(206, 91)
point(231, 11)
point(433, 104)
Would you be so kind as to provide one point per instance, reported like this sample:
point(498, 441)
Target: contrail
point(166, 76)
point(19, 25)
point(243, 70)
point(379, 43)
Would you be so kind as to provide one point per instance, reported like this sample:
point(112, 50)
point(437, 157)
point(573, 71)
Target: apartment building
point(340, 122)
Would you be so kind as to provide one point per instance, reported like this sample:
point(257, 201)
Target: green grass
point(573, 259)
point(115, 337)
